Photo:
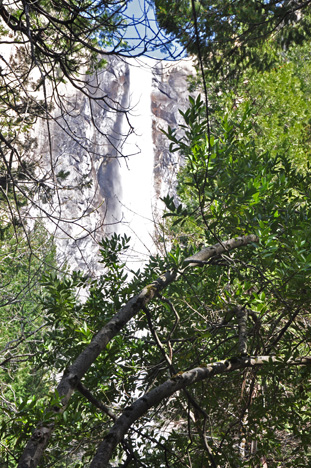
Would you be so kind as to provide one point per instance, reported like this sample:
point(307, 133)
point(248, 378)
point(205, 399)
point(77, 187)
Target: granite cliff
point(111, 160)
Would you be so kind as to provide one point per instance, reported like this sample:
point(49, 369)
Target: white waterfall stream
point(137, 195)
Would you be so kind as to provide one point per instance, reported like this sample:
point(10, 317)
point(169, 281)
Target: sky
point(139, 10)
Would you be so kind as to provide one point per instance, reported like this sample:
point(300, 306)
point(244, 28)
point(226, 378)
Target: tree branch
point(168, 388)
point(202, 257)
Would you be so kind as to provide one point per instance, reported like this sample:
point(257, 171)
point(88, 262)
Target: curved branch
point(168, 388)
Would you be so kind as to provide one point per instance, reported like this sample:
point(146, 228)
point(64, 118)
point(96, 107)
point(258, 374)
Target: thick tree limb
point(206, 254)
point(168, 388)
point(38, 442)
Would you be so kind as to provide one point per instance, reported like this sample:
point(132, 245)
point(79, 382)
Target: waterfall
point(137, 196)
point(118, 163)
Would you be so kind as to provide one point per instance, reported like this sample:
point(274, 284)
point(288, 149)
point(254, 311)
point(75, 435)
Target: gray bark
point(202, 257)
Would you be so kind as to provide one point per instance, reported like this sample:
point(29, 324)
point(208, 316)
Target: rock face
point(111, 160)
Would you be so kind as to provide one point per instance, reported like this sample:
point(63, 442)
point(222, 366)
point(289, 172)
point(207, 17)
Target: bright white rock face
point(112, 162)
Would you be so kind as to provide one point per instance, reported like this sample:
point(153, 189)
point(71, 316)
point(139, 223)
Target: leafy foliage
point(243, 313)
point(227, 188)
point(22, 383)
point(233, 35)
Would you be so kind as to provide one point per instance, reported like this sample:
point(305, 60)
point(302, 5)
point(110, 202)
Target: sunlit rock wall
point(111, 160)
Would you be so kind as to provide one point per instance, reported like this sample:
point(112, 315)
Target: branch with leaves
point(173, 385)
point(35, 448)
